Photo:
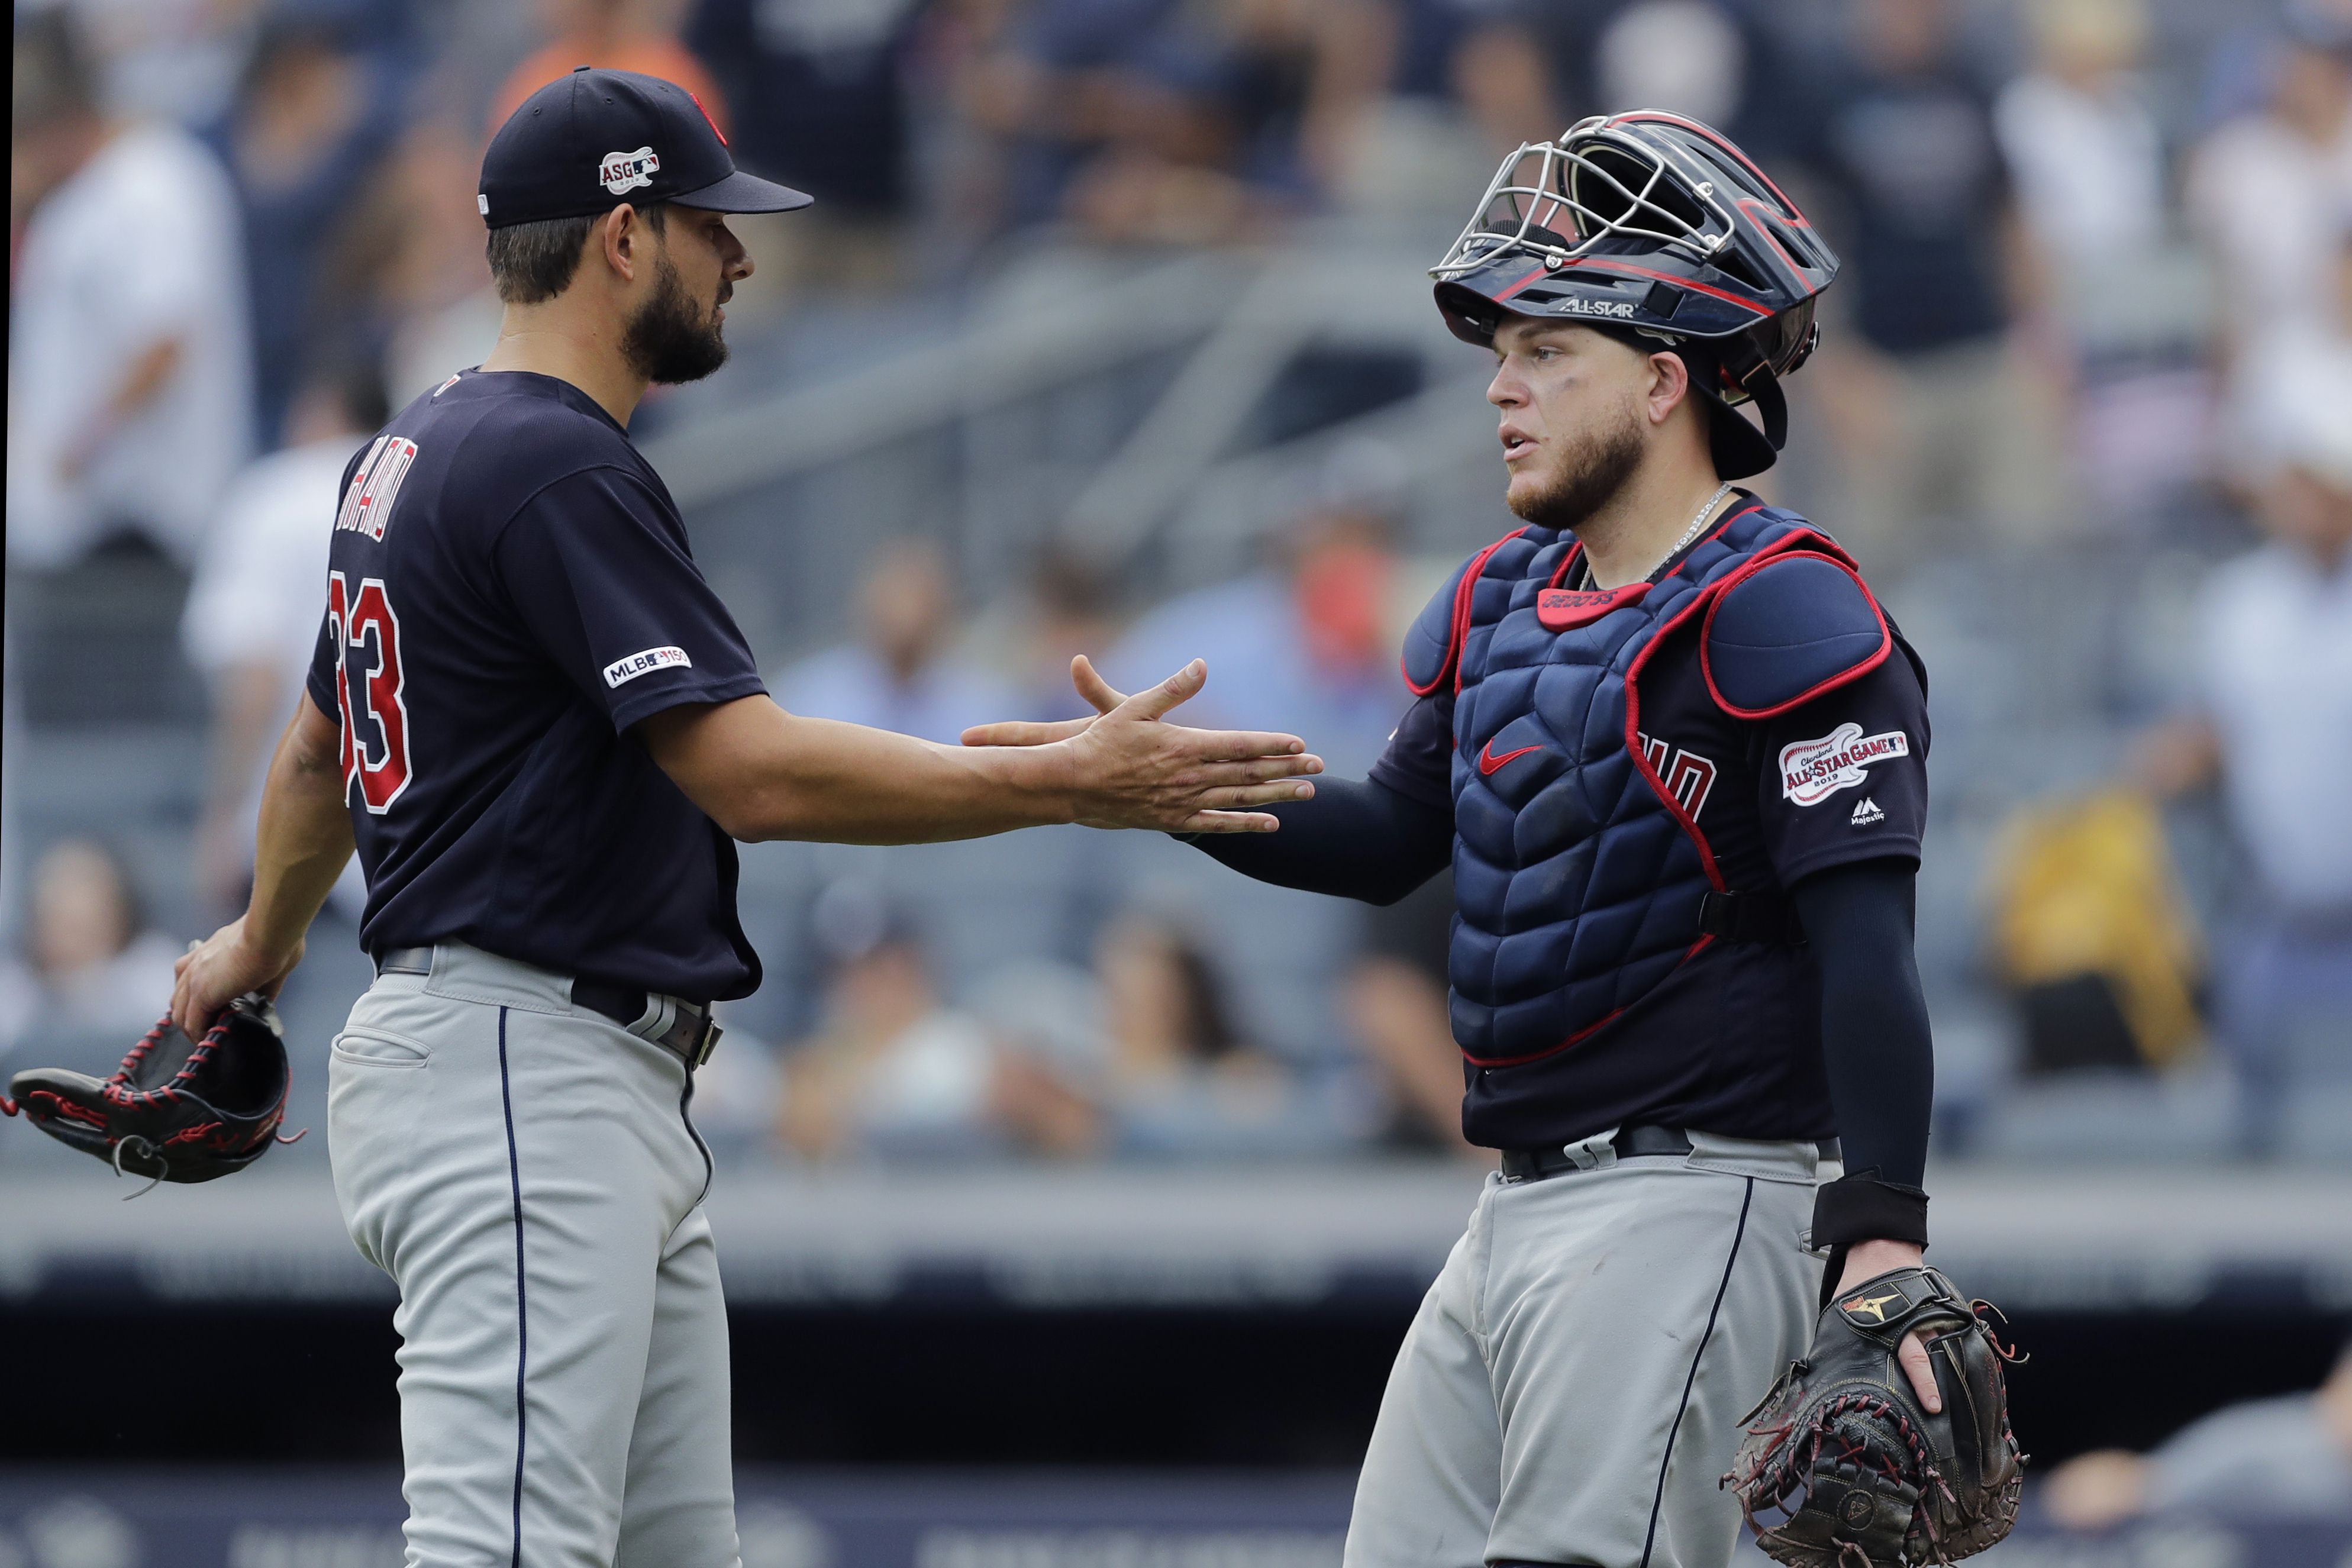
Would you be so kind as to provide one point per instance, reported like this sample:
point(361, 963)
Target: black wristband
point(1861, 1207)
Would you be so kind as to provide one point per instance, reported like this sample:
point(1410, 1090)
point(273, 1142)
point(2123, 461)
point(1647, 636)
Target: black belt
point(690, 1036)
point(1535, 1164)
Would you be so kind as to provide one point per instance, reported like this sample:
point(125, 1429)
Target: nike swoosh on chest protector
point(1489, 762)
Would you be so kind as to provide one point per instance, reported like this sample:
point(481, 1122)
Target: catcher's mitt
point(1867, 1478)
point(176, 1110)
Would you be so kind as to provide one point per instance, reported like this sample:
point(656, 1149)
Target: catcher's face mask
point(1653, 226)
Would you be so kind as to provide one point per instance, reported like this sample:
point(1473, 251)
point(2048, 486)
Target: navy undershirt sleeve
point(1356, 838)
point(1419, 759)
point(1881, 1062)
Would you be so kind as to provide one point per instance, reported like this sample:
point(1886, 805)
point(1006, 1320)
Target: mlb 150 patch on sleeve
point(623, 670)
point(1812, 771)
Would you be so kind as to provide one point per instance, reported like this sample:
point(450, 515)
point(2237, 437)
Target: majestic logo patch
point(623, 171)
point(1867, 812)
point(623, 670)
point(1488, 763)
point(1812, 771)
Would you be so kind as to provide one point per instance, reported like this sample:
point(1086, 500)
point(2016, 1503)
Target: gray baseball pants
point(1572, 1386)
point(524, 1170)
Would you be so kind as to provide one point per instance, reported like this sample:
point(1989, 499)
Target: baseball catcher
point(177, 1109)
point(1844, 1445)
point(1674, 750)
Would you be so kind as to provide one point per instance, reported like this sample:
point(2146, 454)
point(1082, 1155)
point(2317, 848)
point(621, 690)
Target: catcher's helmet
point(1651, 226)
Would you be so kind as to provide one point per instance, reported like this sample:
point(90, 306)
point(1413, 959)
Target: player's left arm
point(303, 843)
point(1859, 919)
point(1802, 649)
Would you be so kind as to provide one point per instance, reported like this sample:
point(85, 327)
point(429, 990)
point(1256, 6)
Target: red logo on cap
point(705, 116)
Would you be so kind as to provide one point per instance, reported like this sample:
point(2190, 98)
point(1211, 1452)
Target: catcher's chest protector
point(1577, 877)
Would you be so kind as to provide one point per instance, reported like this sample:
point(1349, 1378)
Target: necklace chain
point(1676, 548)
point(1695, 524)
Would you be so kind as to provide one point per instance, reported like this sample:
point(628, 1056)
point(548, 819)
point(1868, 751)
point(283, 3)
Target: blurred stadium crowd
point(2083, 409)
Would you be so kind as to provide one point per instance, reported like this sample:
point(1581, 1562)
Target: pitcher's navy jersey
point(509, 590)
point(1840, 779)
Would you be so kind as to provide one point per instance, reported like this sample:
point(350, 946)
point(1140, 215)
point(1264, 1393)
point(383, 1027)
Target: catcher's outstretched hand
point(222, 967)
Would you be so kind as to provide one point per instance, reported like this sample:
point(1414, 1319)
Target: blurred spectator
point(177, 60)
point(253, 615)
point(129, 386)
point(818, 89)
point(1686, 56)
point(411, 260)
point(1928, 406)
point(2269, 193)
point(2283, 1459)
point(1305, 648)
point(1068, 614)
point(1164, 122)
point(638, 35)
point(901, 676)
point(2284, 367)
point(2125, 304)
point(2081, 142)
point(2275, 727)
point(2297, 367)
point(1180, 1079)
point(891, 1070)
point(1466, 80)
point(1394, 1001)
point(1175, 1077)
point(92, 969)
point(2092, 935)
point(314, 118)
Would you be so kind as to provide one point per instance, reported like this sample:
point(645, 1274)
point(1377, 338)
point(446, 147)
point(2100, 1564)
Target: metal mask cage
point(1559, 200)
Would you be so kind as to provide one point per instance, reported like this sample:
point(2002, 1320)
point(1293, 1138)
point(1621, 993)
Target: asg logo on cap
point(623, 171)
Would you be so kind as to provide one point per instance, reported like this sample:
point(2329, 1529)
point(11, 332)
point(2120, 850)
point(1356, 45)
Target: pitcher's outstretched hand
point(1134, 769)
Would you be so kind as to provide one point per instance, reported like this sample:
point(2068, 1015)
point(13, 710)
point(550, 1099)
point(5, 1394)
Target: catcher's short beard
point(1590, 473)
point(668, 340)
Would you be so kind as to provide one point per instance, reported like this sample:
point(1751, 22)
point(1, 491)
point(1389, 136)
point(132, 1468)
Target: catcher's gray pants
point(1572, 1385)
point(524, 1170)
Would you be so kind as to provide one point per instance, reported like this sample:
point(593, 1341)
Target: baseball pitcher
point(541, 730)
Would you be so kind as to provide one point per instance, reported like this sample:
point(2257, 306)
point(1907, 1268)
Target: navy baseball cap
point(591, 140)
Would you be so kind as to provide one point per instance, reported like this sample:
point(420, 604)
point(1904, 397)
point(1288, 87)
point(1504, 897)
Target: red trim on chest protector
point(1461, 628)
point(1703, 598)
point(1748, 569)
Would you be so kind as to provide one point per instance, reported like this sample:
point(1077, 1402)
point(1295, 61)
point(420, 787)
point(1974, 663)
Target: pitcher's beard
point(669, 341)
point(1594, 474)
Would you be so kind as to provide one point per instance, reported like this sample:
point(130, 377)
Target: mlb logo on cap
point(586, 143)
point(626, 172)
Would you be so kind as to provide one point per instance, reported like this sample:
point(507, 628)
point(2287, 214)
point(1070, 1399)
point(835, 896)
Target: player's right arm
point(1375, 839)
point(762, 772)
point(303, 843)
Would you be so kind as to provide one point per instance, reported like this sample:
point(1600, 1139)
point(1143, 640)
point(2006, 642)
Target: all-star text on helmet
point(1653, 228)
